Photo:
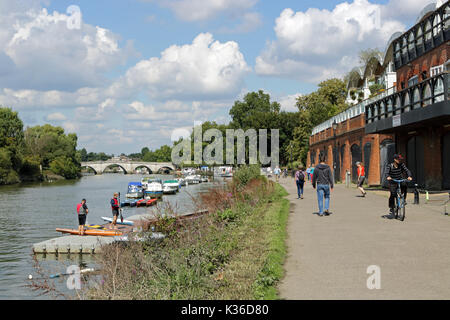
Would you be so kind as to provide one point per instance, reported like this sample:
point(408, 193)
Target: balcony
point(425, 102)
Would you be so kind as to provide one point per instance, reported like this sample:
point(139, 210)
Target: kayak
point(125, 222)
point(151, 202)
point(94, 232)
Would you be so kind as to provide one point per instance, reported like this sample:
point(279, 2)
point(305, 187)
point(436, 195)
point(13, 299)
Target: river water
point(29, 213)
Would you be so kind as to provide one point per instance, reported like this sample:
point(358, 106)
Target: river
point(29, 213)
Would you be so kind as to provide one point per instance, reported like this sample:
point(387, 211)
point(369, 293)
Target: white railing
point(351, 112)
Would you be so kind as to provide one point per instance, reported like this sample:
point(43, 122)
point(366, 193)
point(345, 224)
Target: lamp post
point(334, 125)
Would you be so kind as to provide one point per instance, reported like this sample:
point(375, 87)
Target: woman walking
point(361, 177)
point(300, 181)
point(324, 181)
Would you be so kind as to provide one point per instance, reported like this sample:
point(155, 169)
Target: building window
point(428, 31)
point(406, 106)
point(437, 27)
point(447, 18)
point(389, 107)
point(434, 71)
point(413, 81)
point(397, 105)
point(439, 90)
point(416, 99)
point(426, 95)
point(397, 51)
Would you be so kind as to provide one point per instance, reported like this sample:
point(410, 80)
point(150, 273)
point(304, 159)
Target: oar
point(120, 210)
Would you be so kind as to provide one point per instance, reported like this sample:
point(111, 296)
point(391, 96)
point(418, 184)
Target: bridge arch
point(90, 167)
point(115, 164)
point(150, 171)
point(165, 168)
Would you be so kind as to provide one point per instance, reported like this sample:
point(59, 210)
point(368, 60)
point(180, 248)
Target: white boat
point(135, 190)
point(193, 179)
point(153, 188)
point(169, 189)
point(226, 172)
point(204, 179)
point(182, 182)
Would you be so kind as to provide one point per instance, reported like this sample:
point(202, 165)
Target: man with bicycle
point(397, 170)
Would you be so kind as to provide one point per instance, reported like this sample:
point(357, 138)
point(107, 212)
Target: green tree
point(11, 136)
point(315, 108)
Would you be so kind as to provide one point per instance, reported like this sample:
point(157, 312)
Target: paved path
point(328, 256)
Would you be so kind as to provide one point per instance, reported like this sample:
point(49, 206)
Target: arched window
point(383, 109)
point(446, 19)
point(437, 27)
point(439, 90)
point(369, 115)
point(404, 46)
point(398, 105)
point(397, 50)
point(416, 98)
point(426, 94)
point(428, 31)
point(406, 106)
point(411, 41)
point(419, 36)
point(389, 107)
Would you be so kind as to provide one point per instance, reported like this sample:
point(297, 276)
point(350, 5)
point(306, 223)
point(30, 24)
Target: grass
point(235, 252)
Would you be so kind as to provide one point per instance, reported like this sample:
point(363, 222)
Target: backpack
point(301, 176)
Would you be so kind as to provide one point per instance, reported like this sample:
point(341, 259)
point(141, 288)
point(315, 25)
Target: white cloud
point(317, 44)
point(39, 51)
point(199, 10)
point(57, 116)
point(288, 103)
point(201, 70)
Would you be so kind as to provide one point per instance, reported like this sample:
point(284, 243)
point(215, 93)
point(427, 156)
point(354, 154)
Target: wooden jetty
point(93, 244)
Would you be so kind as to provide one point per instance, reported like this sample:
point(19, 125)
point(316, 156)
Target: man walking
point(82, 211)
point(323, 179)
point(300, 181)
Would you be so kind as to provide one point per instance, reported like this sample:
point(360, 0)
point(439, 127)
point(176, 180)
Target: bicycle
point(399, 205)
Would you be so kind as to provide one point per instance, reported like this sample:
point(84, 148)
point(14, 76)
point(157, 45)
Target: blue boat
point(135, 190)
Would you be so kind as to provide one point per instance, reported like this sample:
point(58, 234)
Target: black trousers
point(393, 190)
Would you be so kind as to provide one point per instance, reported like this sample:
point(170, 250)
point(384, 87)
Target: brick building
point(412, 117)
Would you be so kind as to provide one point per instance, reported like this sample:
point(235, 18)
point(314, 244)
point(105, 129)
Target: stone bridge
point(128, 166)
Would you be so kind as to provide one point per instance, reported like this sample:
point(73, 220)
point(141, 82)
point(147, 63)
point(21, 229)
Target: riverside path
point(328, 257)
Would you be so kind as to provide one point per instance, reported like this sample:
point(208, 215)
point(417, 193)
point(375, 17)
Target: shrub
point(65, 167)
point(244, 174)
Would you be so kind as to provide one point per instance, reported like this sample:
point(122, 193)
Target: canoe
point(125, 222)
point(151, 202)
point(92, 232)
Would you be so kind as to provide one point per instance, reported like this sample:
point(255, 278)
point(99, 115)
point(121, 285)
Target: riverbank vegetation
point(27, 155)
point(234, 252)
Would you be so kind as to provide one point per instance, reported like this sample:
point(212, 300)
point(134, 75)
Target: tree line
point(32, 153)
point(257, 111)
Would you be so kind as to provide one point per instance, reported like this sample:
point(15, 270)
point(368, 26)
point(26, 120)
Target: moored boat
point(92, 232)
point(135, 190)
point(153, 188)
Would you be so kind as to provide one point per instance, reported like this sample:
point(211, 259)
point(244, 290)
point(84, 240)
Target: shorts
point(115, 212)
point(361, 181)
point(81, 219)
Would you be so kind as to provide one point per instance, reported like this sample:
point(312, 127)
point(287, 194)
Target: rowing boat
point(92, 232)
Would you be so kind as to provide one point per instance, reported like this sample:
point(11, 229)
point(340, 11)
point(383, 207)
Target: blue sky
point(137, 70)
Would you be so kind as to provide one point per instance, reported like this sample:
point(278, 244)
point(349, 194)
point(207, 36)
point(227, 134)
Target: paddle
point(120, 210)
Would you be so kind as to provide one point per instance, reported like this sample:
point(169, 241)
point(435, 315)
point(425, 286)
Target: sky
point(129, 74)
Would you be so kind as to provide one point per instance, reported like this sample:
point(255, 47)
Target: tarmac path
point(328, 257)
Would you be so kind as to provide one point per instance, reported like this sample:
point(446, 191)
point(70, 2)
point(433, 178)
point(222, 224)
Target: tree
point(11, 136)
point(316, 108)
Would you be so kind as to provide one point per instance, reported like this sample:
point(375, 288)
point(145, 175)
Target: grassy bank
point(235, 252)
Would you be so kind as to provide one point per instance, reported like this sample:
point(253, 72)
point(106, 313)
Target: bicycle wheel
point(401, 210)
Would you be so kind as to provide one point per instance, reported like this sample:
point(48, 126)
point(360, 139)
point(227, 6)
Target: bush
point(244, 174)
point(65, 167)
point(31, 166)
point(7, 174)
